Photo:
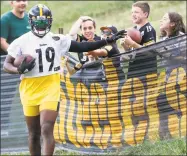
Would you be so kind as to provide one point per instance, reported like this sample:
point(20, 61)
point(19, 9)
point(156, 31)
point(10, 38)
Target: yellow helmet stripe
point(41, 11)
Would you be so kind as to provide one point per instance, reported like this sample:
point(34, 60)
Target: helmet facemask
point(40, 25)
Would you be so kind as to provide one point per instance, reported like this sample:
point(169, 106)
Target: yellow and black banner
point(110, 104)
point(114, 103)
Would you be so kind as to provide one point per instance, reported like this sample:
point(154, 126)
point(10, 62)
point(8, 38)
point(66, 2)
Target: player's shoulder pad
point(56, 38)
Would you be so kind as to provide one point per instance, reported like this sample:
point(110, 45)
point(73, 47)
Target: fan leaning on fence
point(172, 25)
point(40, 84)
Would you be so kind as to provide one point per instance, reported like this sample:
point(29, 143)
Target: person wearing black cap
point(110, 49)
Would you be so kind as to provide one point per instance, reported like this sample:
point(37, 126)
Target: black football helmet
point(40, 19)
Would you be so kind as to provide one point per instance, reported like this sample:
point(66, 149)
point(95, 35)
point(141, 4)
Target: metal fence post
point(60, 30)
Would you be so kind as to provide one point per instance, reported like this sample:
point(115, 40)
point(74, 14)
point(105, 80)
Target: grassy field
point(117, 13)
point(167, 147)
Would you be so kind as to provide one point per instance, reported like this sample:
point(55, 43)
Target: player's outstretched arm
point(86, 46)
point(89, 46)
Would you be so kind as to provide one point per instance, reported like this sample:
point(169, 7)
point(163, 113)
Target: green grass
point(167, 147)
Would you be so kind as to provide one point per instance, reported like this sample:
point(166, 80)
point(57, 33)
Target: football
point(134, 34)
point(18, 60)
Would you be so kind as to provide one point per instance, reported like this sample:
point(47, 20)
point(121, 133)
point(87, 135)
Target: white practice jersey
point(47, 51)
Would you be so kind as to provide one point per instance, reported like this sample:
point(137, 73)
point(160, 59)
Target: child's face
point(165, 23)
point(138, 16)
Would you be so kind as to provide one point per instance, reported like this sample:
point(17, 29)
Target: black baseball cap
point(112, 28)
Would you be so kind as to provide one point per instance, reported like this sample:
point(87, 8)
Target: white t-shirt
point(47, 51)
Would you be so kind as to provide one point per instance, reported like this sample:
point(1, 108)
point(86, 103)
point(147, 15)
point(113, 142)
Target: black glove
point(118, 35)
point(25, 67)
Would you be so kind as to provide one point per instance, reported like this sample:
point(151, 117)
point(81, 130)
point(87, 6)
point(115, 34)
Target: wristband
point(76, 68)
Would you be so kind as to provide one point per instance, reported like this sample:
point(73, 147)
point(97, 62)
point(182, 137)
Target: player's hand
point(25, 67)
point(118, 35)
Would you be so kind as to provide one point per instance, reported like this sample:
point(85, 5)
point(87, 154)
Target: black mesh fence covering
point(110, 104)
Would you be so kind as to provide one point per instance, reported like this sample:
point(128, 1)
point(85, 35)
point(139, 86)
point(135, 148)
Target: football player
point(40, 84)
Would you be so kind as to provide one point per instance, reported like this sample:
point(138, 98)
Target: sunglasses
point(107, 33)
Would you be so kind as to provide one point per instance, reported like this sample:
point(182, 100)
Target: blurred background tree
point(117, 13)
